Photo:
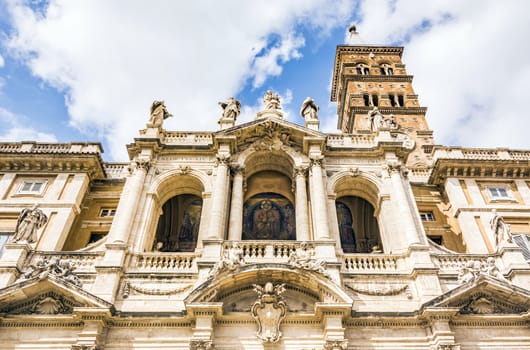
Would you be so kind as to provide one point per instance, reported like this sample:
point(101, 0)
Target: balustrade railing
point(164, 262)
point(372, 263)
point(256, 251)
point(188, 138)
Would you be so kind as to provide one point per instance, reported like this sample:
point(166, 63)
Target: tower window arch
point(362, 69)
point(386, 69)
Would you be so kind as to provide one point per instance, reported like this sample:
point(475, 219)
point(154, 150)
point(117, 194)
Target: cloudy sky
point(89, 70)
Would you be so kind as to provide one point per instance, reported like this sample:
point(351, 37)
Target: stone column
point(236, 207)
point(122, 223)
point(318, 200)
point(219, 198)
point(402, 205)
point(302, 219)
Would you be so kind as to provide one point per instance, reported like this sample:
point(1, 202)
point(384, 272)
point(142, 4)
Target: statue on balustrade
point(29, 222)
point(309, 109)
point(231, 108)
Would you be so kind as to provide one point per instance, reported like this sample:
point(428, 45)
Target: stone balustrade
point(188, 138)
point(84, 262)
point(352, 141)
point(479, 154)
point(163, 262)
point(266, 251)
point(33, 147)
point(373, 263)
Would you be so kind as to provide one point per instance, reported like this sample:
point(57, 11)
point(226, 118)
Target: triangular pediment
point(270, 132)
point(48, 296)
point(485, 295)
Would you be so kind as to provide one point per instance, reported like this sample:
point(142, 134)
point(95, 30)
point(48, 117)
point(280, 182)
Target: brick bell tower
point(367, 76)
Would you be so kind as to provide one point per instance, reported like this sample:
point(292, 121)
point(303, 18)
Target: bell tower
point(366, 76)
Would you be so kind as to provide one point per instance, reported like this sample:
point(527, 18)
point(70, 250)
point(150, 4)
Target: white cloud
point(112, 58)
point(2, 62)
point(470, 62)
point(16, 129)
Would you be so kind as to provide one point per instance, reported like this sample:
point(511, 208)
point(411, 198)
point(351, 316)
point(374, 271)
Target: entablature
point(479, 163)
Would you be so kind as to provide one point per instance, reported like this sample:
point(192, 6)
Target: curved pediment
point(304, 289)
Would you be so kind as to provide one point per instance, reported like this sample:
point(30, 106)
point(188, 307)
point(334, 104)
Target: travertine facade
point(271, 235)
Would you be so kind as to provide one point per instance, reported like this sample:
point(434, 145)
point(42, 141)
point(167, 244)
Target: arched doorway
point(178, 226)
point(358, 228)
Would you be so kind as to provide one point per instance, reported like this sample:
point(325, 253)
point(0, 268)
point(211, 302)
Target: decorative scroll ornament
point(474, 268)
point(201, 345)
point(29, 222)
point(336, 345)
point(231, 261)
point(303, 259)
point(384, 290)
point(269, 310)
point(54, 266)
point(152, 291)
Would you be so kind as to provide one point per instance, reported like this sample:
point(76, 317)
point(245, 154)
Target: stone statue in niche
point(269, 216)
point(231, 108)
point(29, 222)
point(158, 114)
point(309, 109)
point(269, 310)
point(500, 228)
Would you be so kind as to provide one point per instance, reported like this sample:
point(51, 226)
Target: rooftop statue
point(231, 108)
point(272, 101)
point(158, 114)
point(309, 109)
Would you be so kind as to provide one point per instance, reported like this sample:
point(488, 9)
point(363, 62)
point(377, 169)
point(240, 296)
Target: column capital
point(316, 161)
point(236, 169)
point(139, 164)
point(300, 171)
point(222, 159)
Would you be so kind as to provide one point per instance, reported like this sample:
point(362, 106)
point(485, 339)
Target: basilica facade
point(269, 234)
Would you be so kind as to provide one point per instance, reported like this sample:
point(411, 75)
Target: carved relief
point(49, 303)
point(143, 289)
point(302, 258)
point(336, 345)
point(447, 347)
point(380, 289)
point(231, 261)
point(53, 266)
point(201, 345)
point(269, 310)
point(474, 268)
point(86, 347)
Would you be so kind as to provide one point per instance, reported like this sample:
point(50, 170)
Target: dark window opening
point(437, 239)
point(392, 100)
point(375, 100)
point(401, 100)
point(366, 99)
point(96, 236)
point(178, 226)
point(358, 228)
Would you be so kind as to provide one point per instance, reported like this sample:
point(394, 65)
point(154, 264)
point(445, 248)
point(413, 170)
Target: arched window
point(386, 69)
point(358, 228)
point(269, 216)
point(362, 69)
point(178, 226)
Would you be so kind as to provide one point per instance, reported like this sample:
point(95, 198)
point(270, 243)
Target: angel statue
point(28, 223)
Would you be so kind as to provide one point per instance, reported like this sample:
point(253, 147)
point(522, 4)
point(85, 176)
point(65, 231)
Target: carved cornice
point(353, 76)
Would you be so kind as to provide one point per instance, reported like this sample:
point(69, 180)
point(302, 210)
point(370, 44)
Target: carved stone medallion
point(269, 311)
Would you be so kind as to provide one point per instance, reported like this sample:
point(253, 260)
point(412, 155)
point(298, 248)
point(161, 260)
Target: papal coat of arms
point(269, 311)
